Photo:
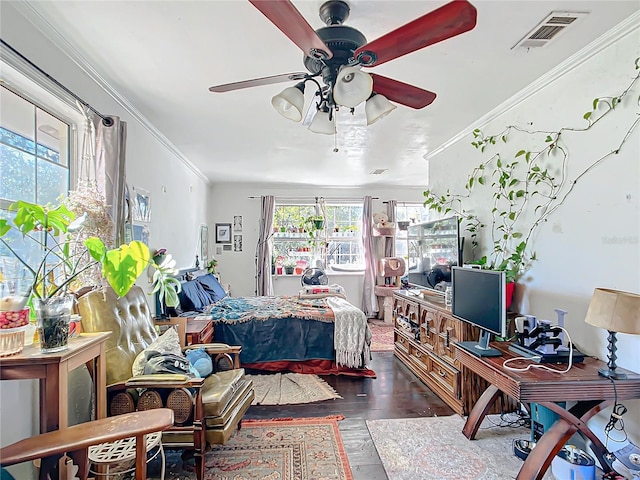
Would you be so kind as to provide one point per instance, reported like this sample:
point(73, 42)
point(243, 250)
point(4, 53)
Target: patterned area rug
point(290, 388)
point(382, 337)
point(434, 448)
point(281, 449)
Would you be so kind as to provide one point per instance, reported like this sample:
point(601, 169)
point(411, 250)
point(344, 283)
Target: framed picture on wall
point(223, 233)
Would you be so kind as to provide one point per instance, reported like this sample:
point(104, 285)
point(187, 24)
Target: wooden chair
point(75, 442)
point(206, 410)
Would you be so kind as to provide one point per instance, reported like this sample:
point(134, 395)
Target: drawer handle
point(418, 354)
point(448, 339)
point(441, 373)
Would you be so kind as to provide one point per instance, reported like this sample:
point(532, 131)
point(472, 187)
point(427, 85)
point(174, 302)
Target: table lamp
point(614, 311)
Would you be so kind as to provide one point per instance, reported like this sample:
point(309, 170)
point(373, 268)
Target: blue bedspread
point(273, 329)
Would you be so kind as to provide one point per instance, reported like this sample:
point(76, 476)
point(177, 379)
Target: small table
point(581, 384)
point(199, 330)
point(52, 369)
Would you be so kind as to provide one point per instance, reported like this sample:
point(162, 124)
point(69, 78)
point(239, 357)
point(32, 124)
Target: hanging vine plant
point(527, 188)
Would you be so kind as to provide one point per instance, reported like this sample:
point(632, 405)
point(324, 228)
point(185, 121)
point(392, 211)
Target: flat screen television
point(434, 247)
point(479, 299)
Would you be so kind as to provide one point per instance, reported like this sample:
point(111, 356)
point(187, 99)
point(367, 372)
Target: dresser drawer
point(446, 376)
point(401, 342)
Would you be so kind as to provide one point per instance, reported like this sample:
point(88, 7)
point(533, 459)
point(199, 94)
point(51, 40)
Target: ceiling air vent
point(378, 171)
point(549, 28)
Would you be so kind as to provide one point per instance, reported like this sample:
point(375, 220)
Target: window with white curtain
point(297, 242)
point(35, 165)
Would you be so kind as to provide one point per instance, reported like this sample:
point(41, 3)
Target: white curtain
point(111, 137)
point(390, 242)
point(369, 300)
point(263, 258)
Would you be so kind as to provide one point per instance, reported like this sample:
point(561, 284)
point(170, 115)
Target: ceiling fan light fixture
point(377, 106)
point(290, 102)
point(352, 87)
point(323, 122)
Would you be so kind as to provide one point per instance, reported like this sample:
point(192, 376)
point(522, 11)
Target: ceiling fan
point(337, 52)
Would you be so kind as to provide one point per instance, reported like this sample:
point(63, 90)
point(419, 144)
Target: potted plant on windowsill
point(289, 265)
point(60, 264)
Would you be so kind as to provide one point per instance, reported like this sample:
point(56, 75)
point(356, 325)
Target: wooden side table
point(199, 330)
point(52, 370)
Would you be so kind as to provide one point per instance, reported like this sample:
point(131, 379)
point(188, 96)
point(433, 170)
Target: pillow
point(193, 296)
point(168, 342)
point(212, 286)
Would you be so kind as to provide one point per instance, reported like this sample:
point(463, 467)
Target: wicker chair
point(206, 411)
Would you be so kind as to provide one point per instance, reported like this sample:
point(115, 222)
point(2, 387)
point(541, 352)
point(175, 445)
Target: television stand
point(561, 356)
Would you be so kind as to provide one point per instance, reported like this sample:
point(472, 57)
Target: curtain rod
point(335, 199)
point(106, 120)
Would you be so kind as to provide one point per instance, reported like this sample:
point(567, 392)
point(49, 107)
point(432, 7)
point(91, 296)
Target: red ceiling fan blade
point(257, 82)
point(447, 21)
point(403, 93)
point(290, 21)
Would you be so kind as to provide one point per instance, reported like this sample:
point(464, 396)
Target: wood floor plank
point(395, 393)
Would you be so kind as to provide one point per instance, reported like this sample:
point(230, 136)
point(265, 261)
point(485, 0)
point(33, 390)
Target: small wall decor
point(237, 223)
point(141, 233)
point(204, 242)
point(141, 205)
point(223, 233)
point(237, 243)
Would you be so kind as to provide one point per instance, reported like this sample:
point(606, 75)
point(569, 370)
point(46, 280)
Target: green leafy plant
point(53, 229)
point(525, 188)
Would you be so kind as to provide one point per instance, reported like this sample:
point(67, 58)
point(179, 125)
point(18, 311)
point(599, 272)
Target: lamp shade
point(323, 122)
point(290, 102)
point(352, 87)
point(614, 311)
point(377, 107)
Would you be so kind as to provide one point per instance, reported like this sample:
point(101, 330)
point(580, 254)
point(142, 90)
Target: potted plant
point(289, 265)
point(54, 230)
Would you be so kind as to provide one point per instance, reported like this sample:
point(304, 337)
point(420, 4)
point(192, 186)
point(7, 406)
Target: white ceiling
point(161, 57)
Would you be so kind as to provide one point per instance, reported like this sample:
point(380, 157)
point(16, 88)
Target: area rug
point(382, 337)
point(290, 388)
point(279, 449)
point(434, 448)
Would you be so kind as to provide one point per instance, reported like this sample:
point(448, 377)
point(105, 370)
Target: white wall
point(178, 210)
point(238, 268)
point(593, 240)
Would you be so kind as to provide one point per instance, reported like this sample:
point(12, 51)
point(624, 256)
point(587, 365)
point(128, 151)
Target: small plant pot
point(52, 319)
point(289, 270)
point(318, 224)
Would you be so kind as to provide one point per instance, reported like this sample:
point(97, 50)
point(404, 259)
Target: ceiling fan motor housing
point(342, 40)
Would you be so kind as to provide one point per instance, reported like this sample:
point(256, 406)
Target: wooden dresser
point(425, 333)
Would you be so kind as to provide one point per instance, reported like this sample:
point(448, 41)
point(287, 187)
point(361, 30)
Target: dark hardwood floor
point(395, 393)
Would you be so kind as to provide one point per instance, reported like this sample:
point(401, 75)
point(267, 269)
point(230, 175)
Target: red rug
point(382, 334)
point(283, 449)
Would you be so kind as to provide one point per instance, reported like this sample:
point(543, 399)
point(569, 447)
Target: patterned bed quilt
point(272, 329)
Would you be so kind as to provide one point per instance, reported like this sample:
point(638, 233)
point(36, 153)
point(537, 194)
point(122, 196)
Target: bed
point(321, 335)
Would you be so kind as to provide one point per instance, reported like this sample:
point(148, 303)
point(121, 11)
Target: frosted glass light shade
point(377, 107)
point(321, 123)
point(290, 102)
point(352, 87)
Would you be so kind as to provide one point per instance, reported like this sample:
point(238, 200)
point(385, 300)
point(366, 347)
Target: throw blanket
point(234, 310)
point(352, 335)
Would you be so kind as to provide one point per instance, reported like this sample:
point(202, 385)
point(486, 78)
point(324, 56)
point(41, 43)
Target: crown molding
point(618, 32)
point(49, 31)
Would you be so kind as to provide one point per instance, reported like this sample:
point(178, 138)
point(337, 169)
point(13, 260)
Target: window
point(35, 167)
point(407, 214)
point(299, 242)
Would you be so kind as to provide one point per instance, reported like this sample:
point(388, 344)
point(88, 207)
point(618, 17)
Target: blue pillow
point(193, 297)
point(212, 287)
